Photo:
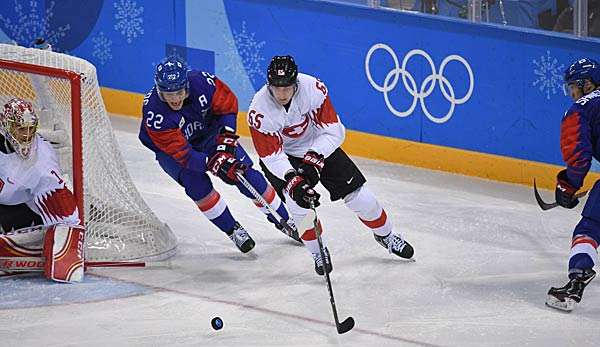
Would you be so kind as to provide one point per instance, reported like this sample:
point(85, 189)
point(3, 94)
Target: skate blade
point(567, 306)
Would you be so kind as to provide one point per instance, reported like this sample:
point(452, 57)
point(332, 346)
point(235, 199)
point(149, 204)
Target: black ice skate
point(567, 297)
point(396, 245)
point(240, 238)
point(319, 262)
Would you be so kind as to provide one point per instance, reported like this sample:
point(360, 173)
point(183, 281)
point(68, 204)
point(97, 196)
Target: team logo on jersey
point(297, 130)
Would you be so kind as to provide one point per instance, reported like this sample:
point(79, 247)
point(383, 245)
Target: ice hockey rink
point(485, 258)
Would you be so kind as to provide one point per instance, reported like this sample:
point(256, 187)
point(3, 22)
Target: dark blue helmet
point(171, 74)
point(282, 71)
point(581, 70)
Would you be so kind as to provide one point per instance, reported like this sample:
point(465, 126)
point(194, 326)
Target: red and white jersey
point(310, 123)
point(36, 181)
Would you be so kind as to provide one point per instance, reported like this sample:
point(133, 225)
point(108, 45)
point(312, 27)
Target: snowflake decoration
point(128, 18)
point(102, 48)
point(249, 51)
point(29, 26)
point(548, 75)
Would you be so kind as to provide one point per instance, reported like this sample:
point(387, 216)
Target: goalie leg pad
point(25, 242)
point(63, 250)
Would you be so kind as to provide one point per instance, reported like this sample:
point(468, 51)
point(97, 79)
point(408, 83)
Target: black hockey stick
point(546, 206)
point(287, 229)
point(348, 323)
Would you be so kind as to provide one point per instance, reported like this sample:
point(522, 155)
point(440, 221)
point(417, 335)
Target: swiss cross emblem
point(280, 72)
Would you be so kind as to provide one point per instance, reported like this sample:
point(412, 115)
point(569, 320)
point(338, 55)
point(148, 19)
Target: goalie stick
point(37, 264)
point(348, 323)
point(287, 229)
point(545, 205)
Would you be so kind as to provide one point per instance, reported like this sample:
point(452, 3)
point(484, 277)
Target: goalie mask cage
point(65, 93)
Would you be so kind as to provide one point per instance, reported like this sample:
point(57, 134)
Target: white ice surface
point(486, 256)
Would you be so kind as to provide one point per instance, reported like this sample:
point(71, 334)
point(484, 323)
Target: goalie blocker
point(61, 245)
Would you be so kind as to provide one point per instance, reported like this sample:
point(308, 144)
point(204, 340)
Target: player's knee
point(63, 250)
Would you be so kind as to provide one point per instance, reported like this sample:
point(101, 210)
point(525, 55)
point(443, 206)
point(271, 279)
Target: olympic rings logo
point(427, 86)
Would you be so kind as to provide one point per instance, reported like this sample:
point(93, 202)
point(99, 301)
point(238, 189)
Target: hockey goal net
point(65, 93)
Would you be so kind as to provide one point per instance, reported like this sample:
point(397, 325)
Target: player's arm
point(53, 200)
point(268, 144)
point(576, 149)
point(331, 130)
point(576, 146)
point(224, 105)
point(167, 137)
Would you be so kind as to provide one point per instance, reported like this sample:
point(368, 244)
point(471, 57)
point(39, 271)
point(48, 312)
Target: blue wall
point(511, 106)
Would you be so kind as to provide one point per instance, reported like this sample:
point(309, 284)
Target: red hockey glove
point(564, 191)
point(311, 167)
point(224, 165)
point(227, 140)
point(300, 191)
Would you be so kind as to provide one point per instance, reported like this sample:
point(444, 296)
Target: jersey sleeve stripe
point(223, 101)
point(266, 144)
point(571, 141)
point(325, 114)
point(173, 143)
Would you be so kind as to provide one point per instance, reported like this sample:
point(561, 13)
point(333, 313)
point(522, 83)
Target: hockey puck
point(217, 323)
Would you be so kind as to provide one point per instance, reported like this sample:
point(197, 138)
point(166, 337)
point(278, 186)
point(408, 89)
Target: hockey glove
point(311, 167)
point(564, 191)
point(300, 191)
point(225, 166)
point(227, 140)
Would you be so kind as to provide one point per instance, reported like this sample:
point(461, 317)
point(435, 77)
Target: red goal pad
point(65, 93)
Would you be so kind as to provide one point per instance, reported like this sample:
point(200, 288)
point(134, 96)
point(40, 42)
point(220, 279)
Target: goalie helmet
point(18, 125)
point(171, 75)
point(282, 71)
point(581, 70)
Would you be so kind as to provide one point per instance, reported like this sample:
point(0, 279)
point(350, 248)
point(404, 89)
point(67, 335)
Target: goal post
point(66, 95)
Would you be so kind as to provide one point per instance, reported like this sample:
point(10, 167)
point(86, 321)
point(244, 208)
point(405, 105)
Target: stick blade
point(345, 326)
point(543, 205)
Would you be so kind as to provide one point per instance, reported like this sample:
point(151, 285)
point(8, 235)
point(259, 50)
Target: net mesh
point(119, 224)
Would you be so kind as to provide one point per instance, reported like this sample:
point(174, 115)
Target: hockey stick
point(348, 323)
point(37, 264)
point(287, 229)
point(546, 206)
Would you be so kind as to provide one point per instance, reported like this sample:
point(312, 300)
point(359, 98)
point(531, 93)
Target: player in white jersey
point(38, 213)
point(298, 135)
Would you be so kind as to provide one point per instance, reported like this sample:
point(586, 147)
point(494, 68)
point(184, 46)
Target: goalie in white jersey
point(298, 135)
point(38, 213)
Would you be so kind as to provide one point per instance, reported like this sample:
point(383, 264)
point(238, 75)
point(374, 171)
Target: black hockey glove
point(225, 166)
point(227, 140)
point(311, 167)
point(298, 189)
point(564, 191)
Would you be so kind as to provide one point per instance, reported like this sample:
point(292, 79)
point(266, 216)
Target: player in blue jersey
point(580, 142)
point(189, 122)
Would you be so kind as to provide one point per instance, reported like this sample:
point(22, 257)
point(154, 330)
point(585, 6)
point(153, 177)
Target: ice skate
point(239, 236)
point(568, 296)
point(395, 244)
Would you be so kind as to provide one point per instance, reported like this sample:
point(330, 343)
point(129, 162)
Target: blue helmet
point(581, 70)
point(171, 74)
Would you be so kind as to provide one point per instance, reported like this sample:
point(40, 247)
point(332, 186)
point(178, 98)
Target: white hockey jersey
point(37, 182)
point(310, 123)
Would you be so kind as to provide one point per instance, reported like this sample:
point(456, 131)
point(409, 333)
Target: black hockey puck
point(217, 323)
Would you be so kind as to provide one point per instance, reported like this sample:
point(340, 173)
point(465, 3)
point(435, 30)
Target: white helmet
point(18, 125)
